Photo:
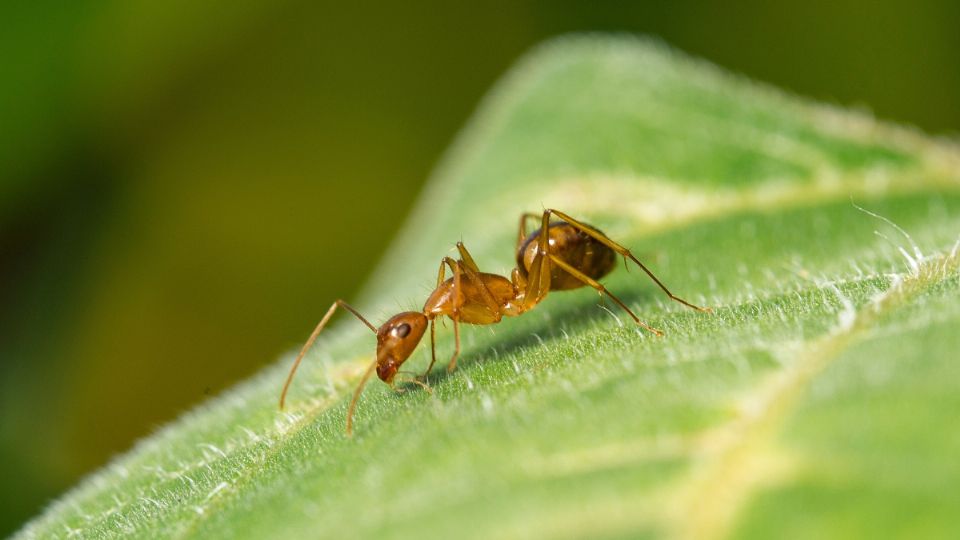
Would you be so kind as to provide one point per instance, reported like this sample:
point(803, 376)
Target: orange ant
point(565, 254)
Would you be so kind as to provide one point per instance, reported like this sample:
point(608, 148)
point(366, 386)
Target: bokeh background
point(186, 186)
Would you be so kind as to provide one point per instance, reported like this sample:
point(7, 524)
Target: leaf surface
point(818, 400)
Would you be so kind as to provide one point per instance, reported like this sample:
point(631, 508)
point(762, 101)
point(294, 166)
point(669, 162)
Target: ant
point(560, 255)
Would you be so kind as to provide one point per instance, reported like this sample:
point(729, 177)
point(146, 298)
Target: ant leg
point(605, 240)
point(313, 337)
point(414, 379)
point(538, 276)
point(603, 290)
point(456, 352)
point(459, 268)
point(470, 269)
point(522, 232)
point(519, 282)
point(441, 274)
point(492, 305)
point(467, 259)
point(456, 267)
point(433, 348)
point(433, 323)
point(519, 286)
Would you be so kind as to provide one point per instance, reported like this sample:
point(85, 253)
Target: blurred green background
point(185, 187)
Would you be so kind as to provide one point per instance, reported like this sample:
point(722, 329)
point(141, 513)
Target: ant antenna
point(313, 337)
point(356, 396)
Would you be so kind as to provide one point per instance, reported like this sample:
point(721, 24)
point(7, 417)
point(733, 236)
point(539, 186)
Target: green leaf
point(818, 399)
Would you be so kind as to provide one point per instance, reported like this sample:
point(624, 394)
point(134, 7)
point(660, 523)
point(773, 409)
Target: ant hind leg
point(605, 240)
point(603, 290)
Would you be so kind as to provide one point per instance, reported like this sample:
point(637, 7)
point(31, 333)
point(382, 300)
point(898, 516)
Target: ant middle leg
point(605, 240)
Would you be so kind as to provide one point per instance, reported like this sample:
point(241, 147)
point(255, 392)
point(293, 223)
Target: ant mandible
point(560, 255)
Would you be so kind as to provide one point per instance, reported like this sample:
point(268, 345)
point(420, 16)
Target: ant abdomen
point(572, 246)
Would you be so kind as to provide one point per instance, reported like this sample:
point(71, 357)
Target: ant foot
point(423, 385)
point(414, 380)
point(655, 331)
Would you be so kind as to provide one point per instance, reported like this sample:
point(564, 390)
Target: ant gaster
point(560, 255)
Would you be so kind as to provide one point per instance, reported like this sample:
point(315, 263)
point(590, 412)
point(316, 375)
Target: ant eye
point(401, 331)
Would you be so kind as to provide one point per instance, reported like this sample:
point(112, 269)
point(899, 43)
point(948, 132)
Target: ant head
point(396, 340)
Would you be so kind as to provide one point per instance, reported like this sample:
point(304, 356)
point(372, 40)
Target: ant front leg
point(455, 266)
point(413, 379)
point(441, 275)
